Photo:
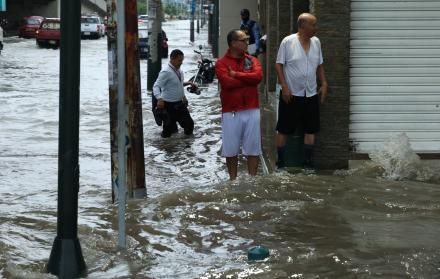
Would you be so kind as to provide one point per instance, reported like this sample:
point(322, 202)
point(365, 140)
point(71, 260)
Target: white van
point(92, 27)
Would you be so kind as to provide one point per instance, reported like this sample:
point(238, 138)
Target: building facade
point(383, 68)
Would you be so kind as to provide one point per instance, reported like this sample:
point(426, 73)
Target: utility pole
point(202, 13)
point(66, 259)
point(198, 16)
point(191, 27)
point(126, 131)
point(134, 157)
point(135, 152)
point(113, 91)
point(122, 135)
point(154, 42)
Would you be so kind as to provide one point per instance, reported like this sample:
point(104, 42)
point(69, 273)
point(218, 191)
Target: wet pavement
point(377, 221)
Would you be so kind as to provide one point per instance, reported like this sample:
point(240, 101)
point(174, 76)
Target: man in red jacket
point(239, 75)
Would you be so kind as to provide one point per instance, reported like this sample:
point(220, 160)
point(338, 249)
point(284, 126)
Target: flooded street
point(195, 223)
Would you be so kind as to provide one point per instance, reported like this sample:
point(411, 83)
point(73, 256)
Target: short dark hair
point(232, 36)
point(175, 53)
point(245, 12)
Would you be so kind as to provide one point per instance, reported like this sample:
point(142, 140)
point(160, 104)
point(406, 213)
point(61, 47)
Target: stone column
point(334, 32)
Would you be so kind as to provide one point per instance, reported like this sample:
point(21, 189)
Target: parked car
point(49, 33)
point(92, 27)
point(29, 25)
point(143, 17)
point(143, 42)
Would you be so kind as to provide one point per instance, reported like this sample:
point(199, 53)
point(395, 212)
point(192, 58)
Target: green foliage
point(142, 8)
point(175, 9)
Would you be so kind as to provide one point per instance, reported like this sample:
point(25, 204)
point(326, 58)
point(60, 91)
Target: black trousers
point(177, 113)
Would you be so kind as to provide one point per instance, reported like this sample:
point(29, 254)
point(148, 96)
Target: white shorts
point(241, 129)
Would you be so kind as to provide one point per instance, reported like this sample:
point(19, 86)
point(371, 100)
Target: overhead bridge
point(17, 9)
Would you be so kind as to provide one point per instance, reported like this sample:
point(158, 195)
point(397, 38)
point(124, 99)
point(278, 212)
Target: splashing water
point(399, 161)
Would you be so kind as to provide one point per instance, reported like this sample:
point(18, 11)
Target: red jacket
point(239, 92)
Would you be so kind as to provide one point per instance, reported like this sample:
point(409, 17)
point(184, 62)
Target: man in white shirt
point(169, 92)
point(299, 61)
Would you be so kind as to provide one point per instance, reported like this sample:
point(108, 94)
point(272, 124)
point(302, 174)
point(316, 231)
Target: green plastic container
point(258, 253)
point(293, 153)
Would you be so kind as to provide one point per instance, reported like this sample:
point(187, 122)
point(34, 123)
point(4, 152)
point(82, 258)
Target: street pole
point(134, 159)
point(113, 91)
point(66, 259)
point(121, 180)
point(154, 41)
point(202, 13)
point(198, 17)
point(135, 153)
point(191, 28)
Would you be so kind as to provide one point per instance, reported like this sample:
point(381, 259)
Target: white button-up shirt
point(168, 86)
point(300, 67)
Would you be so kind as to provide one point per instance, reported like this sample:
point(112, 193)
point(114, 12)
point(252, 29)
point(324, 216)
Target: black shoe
point(280, 164)
point(309, 167)
point(175, 130)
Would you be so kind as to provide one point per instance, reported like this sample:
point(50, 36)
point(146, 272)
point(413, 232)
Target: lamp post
point(66, 260)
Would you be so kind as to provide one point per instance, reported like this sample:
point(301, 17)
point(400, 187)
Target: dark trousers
point(177, 112)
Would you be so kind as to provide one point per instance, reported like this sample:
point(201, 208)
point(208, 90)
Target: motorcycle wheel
point(198, 80)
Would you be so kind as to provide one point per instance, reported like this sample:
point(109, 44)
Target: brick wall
point(334, 32)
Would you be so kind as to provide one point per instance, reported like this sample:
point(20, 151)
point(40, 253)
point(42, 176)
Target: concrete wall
point(229, 18)
point(18, 9)
point(94, 6)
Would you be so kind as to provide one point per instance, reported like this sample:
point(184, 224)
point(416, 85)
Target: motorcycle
point(205, 74)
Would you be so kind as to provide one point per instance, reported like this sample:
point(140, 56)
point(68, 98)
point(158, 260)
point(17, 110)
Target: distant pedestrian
point(298, 62)
point(251, 28)
point(239, 75)
point(169, 100)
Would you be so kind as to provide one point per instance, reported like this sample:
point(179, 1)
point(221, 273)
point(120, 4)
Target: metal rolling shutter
point(395, 73)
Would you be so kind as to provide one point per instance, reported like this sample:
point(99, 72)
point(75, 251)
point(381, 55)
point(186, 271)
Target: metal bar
point(121, 122)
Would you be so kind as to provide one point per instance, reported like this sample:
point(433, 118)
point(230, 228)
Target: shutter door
point(395, 73)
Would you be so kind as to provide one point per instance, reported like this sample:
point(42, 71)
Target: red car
point(29, 26)
point(49, 33)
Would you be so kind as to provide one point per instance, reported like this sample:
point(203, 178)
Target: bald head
point(305, 18)
point(307, 25)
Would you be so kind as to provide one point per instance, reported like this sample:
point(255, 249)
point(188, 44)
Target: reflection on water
point(380, 220)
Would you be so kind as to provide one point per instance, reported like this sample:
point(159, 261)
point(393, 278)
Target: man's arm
point(256, 32)
point(157, 88)
point(324, 86)
point(251, 78)
point(226, 81)
point(286, 94)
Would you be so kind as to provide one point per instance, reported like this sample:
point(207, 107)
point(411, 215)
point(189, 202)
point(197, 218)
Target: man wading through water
point(169, 100)
point(299, 60)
